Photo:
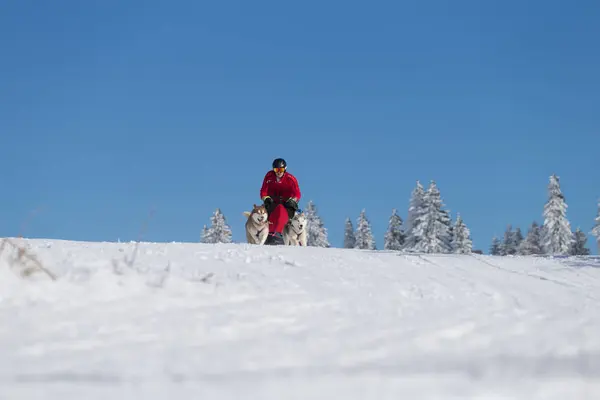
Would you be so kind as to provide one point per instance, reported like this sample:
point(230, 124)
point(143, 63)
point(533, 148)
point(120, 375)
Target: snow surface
point(234, 321)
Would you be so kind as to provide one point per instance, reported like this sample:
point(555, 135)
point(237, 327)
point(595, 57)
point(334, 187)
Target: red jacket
point(280, 191)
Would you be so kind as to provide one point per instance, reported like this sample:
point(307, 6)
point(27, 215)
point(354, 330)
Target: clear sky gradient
point(110, 109)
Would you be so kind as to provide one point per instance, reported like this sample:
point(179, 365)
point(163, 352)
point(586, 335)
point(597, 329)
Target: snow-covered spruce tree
point(446, 219)
point(364, 236)
point(219, 231)
point(204, 234)
point(394, 236)
point(558, 237)
point(517, 239)
point(578, 248)
point(316, 231)
point(415, 211)
point(432, 226)
point(450, 228)
point(349, 238)
point(496, 247)
point(532, 244)
point(508, 246)
point(596, 229)
point(461, 240)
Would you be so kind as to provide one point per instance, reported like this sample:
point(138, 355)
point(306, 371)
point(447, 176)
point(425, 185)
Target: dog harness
point(259, 231)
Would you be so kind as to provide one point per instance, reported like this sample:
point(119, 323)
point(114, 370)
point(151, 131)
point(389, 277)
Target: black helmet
point(279, 163)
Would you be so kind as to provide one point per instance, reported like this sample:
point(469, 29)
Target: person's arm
point(292, 202)
point(264, 188)
point(295, 189)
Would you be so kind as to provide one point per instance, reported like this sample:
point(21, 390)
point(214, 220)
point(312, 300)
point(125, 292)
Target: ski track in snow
point(238, 321)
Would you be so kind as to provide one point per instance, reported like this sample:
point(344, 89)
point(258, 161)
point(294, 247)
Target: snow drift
point(228, 321)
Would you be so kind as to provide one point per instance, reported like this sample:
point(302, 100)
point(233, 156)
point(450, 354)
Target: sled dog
point(257, 225)
point(294, 232)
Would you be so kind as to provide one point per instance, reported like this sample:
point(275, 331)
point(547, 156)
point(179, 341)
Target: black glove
point(291, 204)
point(268, 203)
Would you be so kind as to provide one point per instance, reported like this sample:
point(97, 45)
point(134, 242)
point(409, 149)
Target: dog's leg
point(303, 239)
point(250, 237)
point(286, 236)
point(262, 236)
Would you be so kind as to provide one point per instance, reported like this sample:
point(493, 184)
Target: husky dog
point(294, 232)
point(257, 225)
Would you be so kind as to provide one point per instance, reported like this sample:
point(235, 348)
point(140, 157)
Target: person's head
point(279, 166)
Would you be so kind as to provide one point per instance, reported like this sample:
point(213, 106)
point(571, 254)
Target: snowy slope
point(236, 321)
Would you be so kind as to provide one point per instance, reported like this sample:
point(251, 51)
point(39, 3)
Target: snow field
point(229, 321)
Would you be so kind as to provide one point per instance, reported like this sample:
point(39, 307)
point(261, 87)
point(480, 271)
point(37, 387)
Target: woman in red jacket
point(280, 193)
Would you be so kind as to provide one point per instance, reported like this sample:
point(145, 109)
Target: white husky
point(294, 232)
point(257, 225)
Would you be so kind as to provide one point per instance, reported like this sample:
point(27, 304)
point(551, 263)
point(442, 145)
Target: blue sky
point(111, 109)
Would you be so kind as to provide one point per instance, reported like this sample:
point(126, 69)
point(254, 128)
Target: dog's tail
point(247, 213)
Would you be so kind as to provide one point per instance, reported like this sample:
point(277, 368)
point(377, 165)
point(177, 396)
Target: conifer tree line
point(429, 229)
point(553, 236)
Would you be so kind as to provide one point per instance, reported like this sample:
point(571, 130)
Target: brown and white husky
point(257, 225)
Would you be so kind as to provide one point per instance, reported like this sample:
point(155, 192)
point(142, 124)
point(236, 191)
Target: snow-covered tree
point(219, 231)
point(532, 244)
point(509, 246)
point(349, 238)
point(517, 238)
point(416, 209)
point(578, 248)
point(596, 229)
point(364, 236)
point(432, 226)
point(557, 229)
point(461, 240)
point(394, 236)
point(316, 231)
point(496, 247)
point(450, 228)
